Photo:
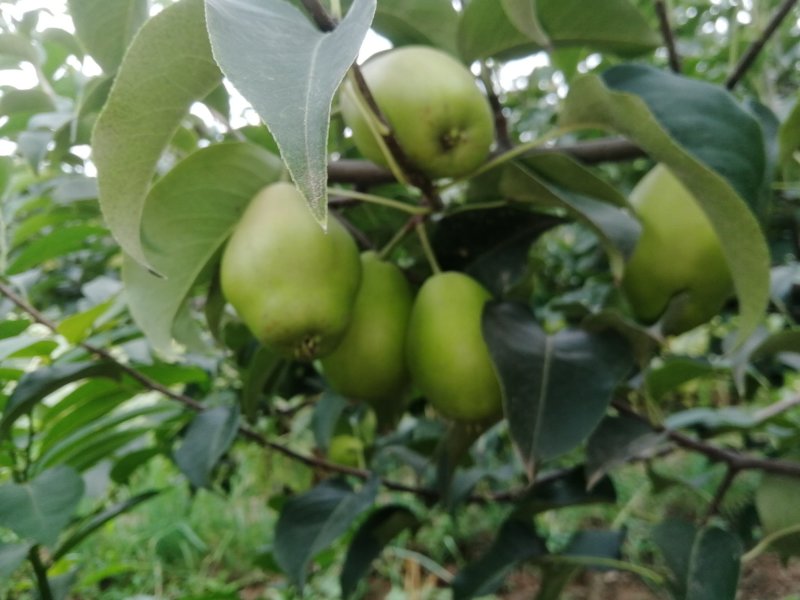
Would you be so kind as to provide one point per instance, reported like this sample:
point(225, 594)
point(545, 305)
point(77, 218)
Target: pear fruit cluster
point(309, 295)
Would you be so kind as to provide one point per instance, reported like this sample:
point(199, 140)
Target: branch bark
point(666, 33)
point(753, 51)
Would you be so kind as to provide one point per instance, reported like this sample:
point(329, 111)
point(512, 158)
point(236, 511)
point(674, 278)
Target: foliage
point(128, 380)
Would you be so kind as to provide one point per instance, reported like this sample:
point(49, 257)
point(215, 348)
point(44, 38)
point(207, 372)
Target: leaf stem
point(40, 572)
point(398, 237)
point(422, 233)
point(381, 201)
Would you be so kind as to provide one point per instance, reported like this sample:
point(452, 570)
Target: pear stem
point(380, 200)
point(426, 246)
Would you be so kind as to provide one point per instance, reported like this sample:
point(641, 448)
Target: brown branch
point(666, 33)
point(753, 51)
point(735, 460)
point(500, 121)
point(321, 17)
point(719, 495)
point(589, 152)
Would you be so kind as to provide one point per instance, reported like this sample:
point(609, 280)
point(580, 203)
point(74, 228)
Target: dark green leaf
point(35, 386)
point(375, 532)
point(54, 245)
point(309, 523)
point(326, 416)
point(673, 372)
point(292, 91)
point(714, 565)
point(615, 441)
point(516, 541)
point(568, 489)
point(486, 31)
point(106, 28)
point(39, 510)
point(556, 388)
point(789, 136)
point(168, 66)
point(209, 436)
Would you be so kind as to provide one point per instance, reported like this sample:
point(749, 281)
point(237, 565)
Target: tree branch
point(735, 460)
point(753, 51)
point(719, 496)
point(666, 33)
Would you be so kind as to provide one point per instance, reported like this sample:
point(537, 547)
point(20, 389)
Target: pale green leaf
point(168, 66)
point(106, 28)
point(289, 70)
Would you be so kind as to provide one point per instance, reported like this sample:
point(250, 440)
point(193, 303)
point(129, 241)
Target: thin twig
point(669, 37)
point(719, 496)
point(777, 408)
point(753, 51)
point(500, 121)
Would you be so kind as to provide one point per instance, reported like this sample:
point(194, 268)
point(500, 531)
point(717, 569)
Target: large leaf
point(311, 522)
point(168, 66)
point(568, 489)
point(289, 70)
point(615, 441)
point(55, 244)
point(209, 436)
point(39, 510)
point(106, 28)
point(35, 386)
point(374, 533)
point(187, 217)
point(709, 142)
point(486, 31)
point(516, 541)
point(556, 388)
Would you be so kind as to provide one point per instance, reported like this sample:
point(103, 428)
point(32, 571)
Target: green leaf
point(675, 539)
point(16, 346)
point(18, 47)
point(789, 136)
point(106, 28)
point(556, 388)
point(35, 386)
point(264, 373)
point(616, 229)
point(210, 435)
point(426, 22)
point(673, 372)
point(187, 217)
point(567, 489)
point(11, 557)
point(523, 15)
point(310, 522)
point(711, 144)
point(327, 412)
point(167, 67)
point(485, 31)
point(382, 525)
point(609, 26)
point(60, 242)
point(289, 71)
point(615, 441)
point(76, 327)
point(40, 509)
point(714, 565)
point(88, 526)
point(516, 541)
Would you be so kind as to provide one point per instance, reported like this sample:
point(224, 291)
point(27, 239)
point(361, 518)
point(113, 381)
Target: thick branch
point(589, 152)
point(753, 51)
point(666, 33)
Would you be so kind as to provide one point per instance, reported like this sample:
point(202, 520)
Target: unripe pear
point(292, 283)
point(369, 362)
point(446, 353)
point(678, 252)
point(439, 116)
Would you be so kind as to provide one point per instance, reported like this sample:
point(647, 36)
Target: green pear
point(678, 255)
point(439, 116)
point(447, 356)
point(369, 362)
point(292, 283)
